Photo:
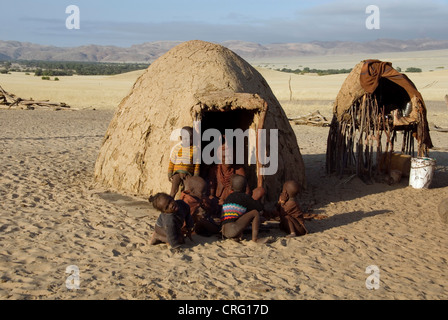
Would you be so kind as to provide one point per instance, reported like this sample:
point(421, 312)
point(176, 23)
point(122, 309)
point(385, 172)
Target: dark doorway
point(233, 119)
point(391, 95)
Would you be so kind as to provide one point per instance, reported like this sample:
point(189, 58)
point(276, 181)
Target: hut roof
point(365, 78)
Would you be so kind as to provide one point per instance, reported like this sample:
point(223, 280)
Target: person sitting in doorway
point(219, 177)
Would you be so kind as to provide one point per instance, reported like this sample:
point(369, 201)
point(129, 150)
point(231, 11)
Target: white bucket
point(422, 171)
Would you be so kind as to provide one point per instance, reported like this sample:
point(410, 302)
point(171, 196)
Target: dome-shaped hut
point(195, 82)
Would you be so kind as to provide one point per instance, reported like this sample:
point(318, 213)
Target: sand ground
point(51, 218)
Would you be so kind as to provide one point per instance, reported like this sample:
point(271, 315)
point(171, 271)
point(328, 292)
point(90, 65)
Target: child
point(291, 216)
point(202, 209)
point(219, 177)
point(181, 165)
point(173, 216)
point(240, 209)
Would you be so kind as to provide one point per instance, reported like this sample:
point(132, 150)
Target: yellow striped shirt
point(180, 162)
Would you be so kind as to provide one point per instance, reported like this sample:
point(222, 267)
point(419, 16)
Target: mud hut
point(374, 105)
point(195, 82)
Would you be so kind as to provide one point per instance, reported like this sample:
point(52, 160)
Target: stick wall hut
point(375, 100)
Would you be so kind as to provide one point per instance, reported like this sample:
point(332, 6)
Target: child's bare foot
point(263, 240)
point(291, 235)
point(154, 239)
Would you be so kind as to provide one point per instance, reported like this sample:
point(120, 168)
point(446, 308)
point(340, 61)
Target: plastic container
point(422, 172)
point(401, 162)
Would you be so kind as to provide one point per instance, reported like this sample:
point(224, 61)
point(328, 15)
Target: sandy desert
point(51, 218)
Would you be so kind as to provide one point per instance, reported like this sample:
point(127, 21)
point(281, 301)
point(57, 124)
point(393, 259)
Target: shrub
point(412, 69)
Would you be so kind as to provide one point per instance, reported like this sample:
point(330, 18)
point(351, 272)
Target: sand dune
point(51, 218)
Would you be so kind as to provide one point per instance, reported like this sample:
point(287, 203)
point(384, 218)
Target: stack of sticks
point(311, 119)
point(356, 140)
point(11, 101)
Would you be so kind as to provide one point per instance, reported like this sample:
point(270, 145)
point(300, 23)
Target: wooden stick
point(290, 90)
point(314, 118)
point(7, 95)
point(46, 103)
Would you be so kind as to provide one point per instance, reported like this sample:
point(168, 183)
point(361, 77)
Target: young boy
point(202, 210)
point(181, 165)
point(174, 215)
point(240, 209)
point(291, 216)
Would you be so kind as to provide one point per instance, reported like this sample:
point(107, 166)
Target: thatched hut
point(375, 99)
point(195, 81)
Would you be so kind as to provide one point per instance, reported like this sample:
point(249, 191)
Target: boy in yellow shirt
point(181, 165)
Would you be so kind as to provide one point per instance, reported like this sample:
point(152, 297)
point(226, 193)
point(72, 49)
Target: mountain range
point(150, 51)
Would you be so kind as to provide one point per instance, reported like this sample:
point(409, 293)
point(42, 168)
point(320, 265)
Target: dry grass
point(99, 92)
point(432, 85)
point(106, 92)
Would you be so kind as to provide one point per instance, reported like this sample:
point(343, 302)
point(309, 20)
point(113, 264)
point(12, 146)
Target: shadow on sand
point(341, 220)
point(323, 189)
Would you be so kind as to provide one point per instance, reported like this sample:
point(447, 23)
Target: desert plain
point(55, 227)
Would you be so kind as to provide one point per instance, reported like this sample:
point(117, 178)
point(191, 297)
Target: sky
point(127, 22)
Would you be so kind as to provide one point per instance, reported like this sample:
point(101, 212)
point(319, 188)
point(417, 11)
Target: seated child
point(240, 209)
point(202, 209)
point(291, 216)
point(174, 215)
point(181, 166)
point(219, 178)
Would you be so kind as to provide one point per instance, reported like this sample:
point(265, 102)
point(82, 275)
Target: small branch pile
point(11, 101)
point(311, 119)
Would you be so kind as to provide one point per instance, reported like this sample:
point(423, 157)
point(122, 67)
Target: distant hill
point(150, 51)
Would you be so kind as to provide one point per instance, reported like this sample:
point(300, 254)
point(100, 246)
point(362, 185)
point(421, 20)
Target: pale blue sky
point(128, 22)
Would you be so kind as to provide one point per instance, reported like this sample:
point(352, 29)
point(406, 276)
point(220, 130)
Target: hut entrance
point(233, 120)
point(391, 96)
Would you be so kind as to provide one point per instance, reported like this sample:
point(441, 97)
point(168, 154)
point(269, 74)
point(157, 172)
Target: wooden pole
point(290, 90)
point(260, 126)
